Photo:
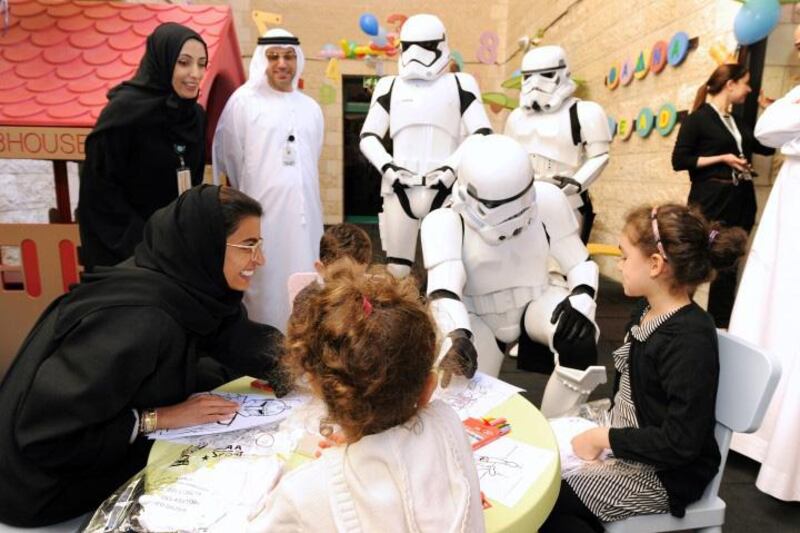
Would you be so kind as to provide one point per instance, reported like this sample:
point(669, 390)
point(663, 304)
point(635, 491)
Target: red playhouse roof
point(59, 58)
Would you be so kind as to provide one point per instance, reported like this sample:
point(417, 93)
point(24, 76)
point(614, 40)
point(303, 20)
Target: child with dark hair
point(661, 440)
point(345, 240)
point(366, 344)
point(338, 241)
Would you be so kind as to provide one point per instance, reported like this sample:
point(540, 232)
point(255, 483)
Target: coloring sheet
point(477, 396)
point(255, 410)
point(261, 440)
point(508, 468)
point(565, 429)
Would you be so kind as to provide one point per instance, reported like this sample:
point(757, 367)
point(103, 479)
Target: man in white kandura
point(764, 312)
point(488, 279)
point(567, 138)
point(268, 142)
point(423, 109)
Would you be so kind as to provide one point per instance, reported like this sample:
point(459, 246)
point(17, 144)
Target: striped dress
point(615, 489)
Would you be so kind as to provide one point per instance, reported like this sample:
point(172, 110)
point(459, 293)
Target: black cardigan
point(704, 134)
point(674, 376)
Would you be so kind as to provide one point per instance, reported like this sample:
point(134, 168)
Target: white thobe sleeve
point(780, 122)
point(228, 146)
point(320, 133)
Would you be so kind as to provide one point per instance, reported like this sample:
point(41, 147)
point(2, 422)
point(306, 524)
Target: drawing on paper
point(256, 410)
point(496, 467)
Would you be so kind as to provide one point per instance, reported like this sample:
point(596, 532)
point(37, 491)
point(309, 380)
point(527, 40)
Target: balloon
point(368, 24)
point(381, 39)
point(755, 20)
point(331, 50)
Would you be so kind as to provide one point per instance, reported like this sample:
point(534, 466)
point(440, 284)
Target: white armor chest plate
point(426, 103)
point(518, 262)
point(548, 139)
point(425, 122)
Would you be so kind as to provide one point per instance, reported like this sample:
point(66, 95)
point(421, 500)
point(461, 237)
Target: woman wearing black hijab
point(116, 357)
point(150, 130)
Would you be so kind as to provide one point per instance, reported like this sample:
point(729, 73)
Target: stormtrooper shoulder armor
point(382, 94)
point(472, 112)
point(555, 211)
point(442, 235)
point(377, 121)
point(593, 122)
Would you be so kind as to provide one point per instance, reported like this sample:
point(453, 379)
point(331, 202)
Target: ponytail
point(716, 82)
point(700, 98)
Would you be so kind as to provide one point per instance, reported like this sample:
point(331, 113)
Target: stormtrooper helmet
point(425, 53)
point(546, 81)
point(494, 192)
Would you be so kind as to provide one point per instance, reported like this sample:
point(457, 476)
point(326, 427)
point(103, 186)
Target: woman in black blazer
point(716, 148)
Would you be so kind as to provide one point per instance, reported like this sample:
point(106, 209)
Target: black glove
point(461, 358)
point(572, 324)
point(564, 182)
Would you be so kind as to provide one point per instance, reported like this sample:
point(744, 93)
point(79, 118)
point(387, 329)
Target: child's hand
point(335, 439)
point(591, 443)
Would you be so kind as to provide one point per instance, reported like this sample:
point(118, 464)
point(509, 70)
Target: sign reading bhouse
point(43, 143)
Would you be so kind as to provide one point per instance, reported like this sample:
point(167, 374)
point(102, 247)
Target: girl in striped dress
point(661, 439)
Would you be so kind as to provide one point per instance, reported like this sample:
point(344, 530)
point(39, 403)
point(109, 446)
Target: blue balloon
point(755, 20)
point(368, 23)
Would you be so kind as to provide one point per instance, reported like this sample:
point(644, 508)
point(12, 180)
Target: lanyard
point(730, 124)
point(180, 149)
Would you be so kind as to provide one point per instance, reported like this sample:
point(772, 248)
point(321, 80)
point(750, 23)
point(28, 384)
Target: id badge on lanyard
point(289, 152)
point(183, 174)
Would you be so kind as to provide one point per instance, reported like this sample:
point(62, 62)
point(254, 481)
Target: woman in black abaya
point(116, 358)
point(151, 129)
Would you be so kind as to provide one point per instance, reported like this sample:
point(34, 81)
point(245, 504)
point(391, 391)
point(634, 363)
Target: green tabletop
point(531, 427)
point(528, 426)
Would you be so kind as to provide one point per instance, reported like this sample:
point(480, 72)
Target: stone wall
point(318, 22)
point(595, 33)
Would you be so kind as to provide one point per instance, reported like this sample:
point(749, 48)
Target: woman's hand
point(198, 409)
point(591, 443)
point(736, 163)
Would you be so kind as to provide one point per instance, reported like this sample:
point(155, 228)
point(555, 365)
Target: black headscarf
point(178, 268)
point(148, 98)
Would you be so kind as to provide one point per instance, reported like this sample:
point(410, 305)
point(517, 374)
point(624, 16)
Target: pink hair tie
point(656, 234)
point(366, 305)
point(712, 236)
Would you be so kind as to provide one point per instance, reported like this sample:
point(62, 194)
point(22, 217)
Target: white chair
point(747, 378)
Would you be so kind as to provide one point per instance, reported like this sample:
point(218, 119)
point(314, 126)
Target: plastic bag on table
point(205, 489)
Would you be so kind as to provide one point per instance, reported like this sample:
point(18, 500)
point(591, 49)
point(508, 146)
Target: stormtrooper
point(487, 262)
point(423, 109)
point(567, 138)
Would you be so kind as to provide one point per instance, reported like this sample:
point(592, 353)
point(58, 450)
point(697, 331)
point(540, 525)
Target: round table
point(528, 426)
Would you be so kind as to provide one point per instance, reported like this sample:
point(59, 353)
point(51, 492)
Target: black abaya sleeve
point(199, 164)
point(247, 347)
point(77, 415)
point(110, 226)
